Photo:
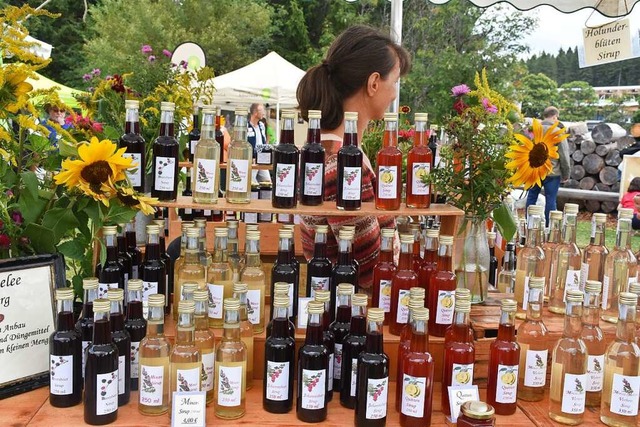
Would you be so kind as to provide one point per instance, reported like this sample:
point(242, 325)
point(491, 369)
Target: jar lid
point(281, 301)
point(595, 286)
point(240, 288)
point(462, 305)
point(324, 229)
point(101, 306)
point(416, 303)
point(288, 114)
point(200, 295)
point(281, 288)
point(375, 315)
point(390, 117)
point(232, 223)
point(200, 222)
point(231, 304)
point(571, 208)
point(477, 410)
point(600, 218)
point(433, 232)
point(186, 306)
point(627, 298)
point(421, 313)
point(406, 239)
point(186, 225)
point(463, 294)
point(509, 305)
point(193, 232)
point(555, 215)
point(350, 115)
point(535, 210)
point(315, 307)
point(153, 229)
point(221, 232)
point(575, 295)
point(387, 232)
point(252, 235)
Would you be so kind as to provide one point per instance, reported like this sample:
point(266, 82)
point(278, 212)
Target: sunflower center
point(538, 155)
point(96, 173)
point(127, 200)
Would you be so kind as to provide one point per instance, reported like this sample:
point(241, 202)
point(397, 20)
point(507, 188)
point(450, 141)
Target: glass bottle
point(206, 169)
point(101, 373)
point(191, 270)
point(530, 261)
point(231, 365)
point(350, 233)
point(111, 274)
point(389, 161)
point(595, 253)
point(219, 135)
point(417, 375)
point(133, 249)
point(235, 259)
point(136, 327)
point(312, 156)
point(292, 250)
point(283, 270)
point(319, 267)
point(593, 338)
point(619, 405)
point(352, 345)
point(502, 383)
point(194, 135)
point(349, 180)
point(441, 290)
point(634, 288)
point(84, 325)
point(567, 392)
point(340, 328)
point(179, 262)
point(152, 270)
point(279, 362)
point(549, 246)
point(383, 273)
point(418, 247)
point(373, 374)
point(415, 301)
point(154, 362)
point(185, 356)
point(239, 163)
point(344, 271)
point(313, 368)
point(65, 354)
point(532, 372)
point(123, 256)
point(507, 276)
point(493, 261)
point(419, 160)
point(286, 159)
point(135, 145)
point(328, 339)
point(205, 257)
point(246, 330)
point(281, 289)
point(430, 260)
point(168, 263)
point(254, 277)
point(165, 156)
point(403, 280)
point(565, 271)
point(122, 340)
point(205, 341)
point(219, 280)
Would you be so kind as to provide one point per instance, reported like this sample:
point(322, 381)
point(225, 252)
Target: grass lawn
point(583, 234)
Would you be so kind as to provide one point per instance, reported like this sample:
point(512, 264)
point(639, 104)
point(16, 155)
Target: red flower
point(459, 105)
point(405, 109)
point(97, 127)
point(5, 241)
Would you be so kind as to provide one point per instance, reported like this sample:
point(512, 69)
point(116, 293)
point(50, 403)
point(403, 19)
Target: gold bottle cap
point(281, 301)
point(131, 103)
point(323, 296)
point(433, 127)
point(189, 287)
point(90, 283)
point(351, 228)
point(416, 303)
point(288, 114)
point(446, 240)
point(345, 235)
point(351, 115)
point(434, 233)
point(115, 294)
point(575, 295)
point(375, 315)
point(388, 232)
point(600, 218)
point(555, 215)
point(281, 288)
point(346, 289)
point(200, 222)
point(186, 225)
point(421, 117)
point(406, 239)
point(284, 233)
point(240, 111)
point(420, 313)
point(535, 210)
point(64, 294)
point(315, 307)
point(571, 208)
point(193, 232)
point(594, 286)
point(232, 223)
point(185, 306)
point(634, 288)
point(208, 109)
point(463, 294)
point(627, 298)
point(477, 410)
point(252, 235)
point(314, 114)
point(625, 213)
point(536, 282)
point(156, 300)
point(509, 305)
point(134, 285)
point(201, 295)
point(109, 230)
point(462, 306)
point(167, 106)
point(390, 117)
point(101, 306)
point(252, 227)
point(153, 229)
point(159, 222)
point(414, 226)
point(359, 299)
point(322, 229)
point(417, 292)
point(240, 288)
point(221, 232)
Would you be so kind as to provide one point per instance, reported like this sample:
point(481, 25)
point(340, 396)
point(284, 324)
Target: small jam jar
point(476, 414)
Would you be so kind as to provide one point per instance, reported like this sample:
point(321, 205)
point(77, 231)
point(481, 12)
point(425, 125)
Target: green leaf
point(72, 249)
point(119, 214)
point(77, 286)
point(67, 149)
point(111, 133)
point(60, 220)
point(31, 206)
point(42, 238)
point(30, 181)
point(505, 222)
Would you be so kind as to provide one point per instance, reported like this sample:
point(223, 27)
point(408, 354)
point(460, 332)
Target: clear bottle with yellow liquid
point(179, 262)
point(205, 256)
point(565, 269)
point(594, 340)
point(240, 161)
point(530, 259)
point(219, 283)
point(507, 276)
point(205, 341)
point(205, 172)
point(634, 288)
point(253, 276)
point(246, 329)
point(550, 245)
point(595, 253)
point(567, 395)
point(532, 373)
point(236, 260)
point(185, 357)
point(191, 270)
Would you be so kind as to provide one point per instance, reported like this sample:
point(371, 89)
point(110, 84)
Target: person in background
point(257, 137)
point(359, 73)
point(56, 115)
point(631, 200)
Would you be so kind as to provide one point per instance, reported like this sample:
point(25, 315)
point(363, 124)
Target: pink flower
point(146, 49)
point(96, 72)
point(5, 241)
point(460, 90)
point(97, 127)
point(166, 53)
point(488, 106)
point(17, 217)
point(151, 58)
point(87, 77)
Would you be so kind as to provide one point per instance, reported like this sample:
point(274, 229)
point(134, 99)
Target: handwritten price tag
point(458, 395)
point(189, 409)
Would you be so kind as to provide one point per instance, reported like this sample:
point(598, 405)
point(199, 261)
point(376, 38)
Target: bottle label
point(254, 299)
point(285, 180)
point(387, 182)
point(61, 374)
point(507, 383)
point(313, 388)
point(85, 346)
point(595, 373)
point(216, 295)
point(352, 183)
point(165, 173)
point(151, 383)
point(574, 394)
point(624, 395)
point(525, 296)
point(239, 175)
point(535, 373)
point(337, 362)
point(205, 175)
point(229, 385)
point(444, 312)
point(413, 395)
point(149, 288)
point(121, 374)
point(319, 284)
point(354, 377)
point(377, 391)
point(584, 275)
point(192, 146)
point(135, 359)
point(418, 171)
point(572, 281)
point(384, 301)
point(290, 308)
point(605, 292)
point(402, 315)
point(330, 385)
point(313, 174)
point(264, 157)
point(134, 173)
point(106, 393)
point(461, 374)
point(103, 287)
point(188, 379)
point(277, 381)
point(208, 362)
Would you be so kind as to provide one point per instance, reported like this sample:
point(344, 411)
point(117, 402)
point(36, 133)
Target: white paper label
point(238, 175)
point(584, 275)
point(384, 301)
point(313, 388)
point(263, 158)
point(525, 297)
point(420, 169)
point(387, 182)
point(574, 394)
point(103, 287)
point(337, 362)
point(61, 375)
point(204, 175)
point(216, 295)
point(85, 346)
point(165, 174)
point(253, 305)
point(624, 395)
point(318, 284)
point(535, 373)
point(330, 386)
point(277, 381)
point(352, 183)
point(354, 377)
point(402, 315)
point(605, 292)
point(313, 174)
point(413, 395)
point(149, 288)
point(290, 308)
point(507, 384)
point(121, 374)
point(377, 391)
point(188, 379)
point(572, 281)
point(106, 393)
point(135, 359)
point(151, 384)
point(134, 173)
point(285, 180)
point(192, 146)
point(461, 374)
point(229, 385)
point(595, 373)
point(208, 365)
point(444, 312)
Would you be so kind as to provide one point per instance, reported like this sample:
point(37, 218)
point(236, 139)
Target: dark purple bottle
point(286, 159)
point(136, 326)
point(165, 157)
point(122, 340)
point(135, 145)
point(340, 329)
point(312, 158)
point(111, 274)
point(349, 181)
point(352, 345)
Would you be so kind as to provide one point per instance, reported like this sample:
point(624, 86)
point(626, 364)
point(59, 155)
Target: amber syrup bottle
point(111, 274)
point(504, 356)
point(419, 160)
point(319, 267)
point(152, 270)
point(101, 373)
point(283, 270)
point(405, 344)
point(286, 159)
point(441, 290)
point(165, 157)
point(383, 273)
point(205, 341)
point(123, 255)
point(352, 345)
point(136, 326)
point(344, 271)
point(168, 266)
point(65, 353)
point(417, 375)
point(328, 339)
point(133, 249)
point(84, 325)
point(279, 362)
point(389, 161)
point(122, 340)
point(313, 368)
point(430, 260)
point(281, 289)
point(340, 328)
point(418, 247)
point(373, 375)
point(403, 280)
point(134, 144)
point(593, 338)
point(312, 158)
point(349, 181)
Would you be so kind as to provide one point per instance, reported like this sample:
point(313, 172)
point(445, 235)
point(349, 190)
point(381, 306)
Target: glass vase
point(472, 270)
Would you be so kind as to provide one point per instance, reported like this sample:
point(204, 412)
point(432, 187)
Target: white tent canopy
point(611, 8)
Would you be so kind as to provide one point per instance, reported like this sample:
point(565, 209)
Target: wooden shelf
point(189, 165)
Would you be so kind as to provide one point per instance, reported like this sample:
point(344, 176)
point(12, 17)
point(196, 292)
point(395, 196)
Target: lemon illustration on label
point(508, 378)
point(412, 390)
point(386, 290)
point(405, 300)
point(447, 301)
point(463, 377)
point(387, 177)
point(421, 172)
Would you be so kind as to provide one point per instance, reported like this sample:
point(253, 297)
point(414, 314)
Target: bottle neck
point(231, 325)
point(406, 256)
point(65, 315)
point(242, 297)
point(284, 254)
point(101, 328)
point(390, 137)
point(152, 251)
point(573, 320)
point(534, 306)
point(117, 317)
point(240, 128)
point(280, 322)
point(373, 343)
point(350, 133)
point(220, 249)
point(166, 123)
point(444, 258)
point(626, 327)
point(554, 230)
point(509, 261)
point(185, 331)
point(286, 134)
point(134, 305)
point(569, 231)
point(320, 247)
point(208, 125)
point(155, 321)
point(507, 329)
point(313, 133)
point(132, 121)
point(598, 236)
point(622, 233)
point(419, 336)
point(591, 309)
point(421, 137)
point(252, 253)
point(112, 247)
point(358, 320)
point(315, 329)
point(344, 252)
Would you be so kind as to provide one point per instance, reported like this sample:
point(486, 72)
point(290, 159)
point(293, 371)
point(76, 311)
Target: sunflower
point(531, 159)
point(17, 87)
point(130, 198)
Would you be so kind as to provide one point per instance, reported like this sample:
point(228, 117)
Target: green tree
point(577, 101)
point(289, 34)
point(538, 91)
